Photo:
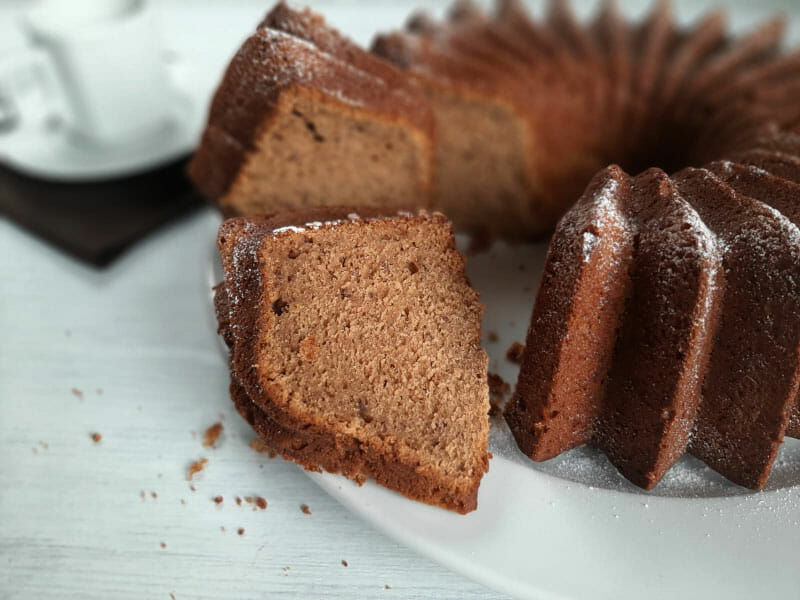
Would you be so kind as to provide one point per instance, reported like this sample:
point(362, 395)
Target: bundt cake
point(667, 320)
point(355, 347)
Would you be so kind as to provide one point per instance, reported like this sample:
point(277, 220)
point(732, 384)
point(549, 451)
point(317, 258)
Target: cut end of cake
point(304, 118)
point(356, 347)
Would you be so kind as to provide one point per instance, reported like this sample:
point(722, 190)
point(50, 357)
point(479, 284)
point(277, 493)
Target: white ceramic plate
point(572, 527)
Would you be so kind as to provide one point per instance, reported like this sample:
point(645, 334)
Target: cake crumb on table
point(514, 352)
point(387, 586)
point(261, 503)
point(195, 468)
point(77, 393)
point(492, 336)
point(238, 501)
point(211, 435)
point(154, 495)
point(218, 499)
point(344, 563)
point(163, 544)
point(240, 531)
point(304, 508)
point(96, 437)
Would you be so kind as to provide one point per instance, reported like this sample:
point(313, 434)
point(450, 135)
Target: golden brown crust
point(346, 457)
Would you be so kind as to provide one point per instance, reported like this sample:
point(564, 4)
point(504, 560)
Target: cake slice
point(582, 291)
point(356, 339)
point(754, 370)
point(289, 107)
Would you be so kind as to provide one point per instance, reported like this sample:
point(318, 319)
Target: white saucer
point(52, 152)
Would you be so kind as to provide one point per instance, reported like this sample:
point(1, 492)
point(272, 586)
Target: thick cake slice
point(361, 331)
point(561, 382)
point(290, 107)
point(662, 347)
point(753, 374)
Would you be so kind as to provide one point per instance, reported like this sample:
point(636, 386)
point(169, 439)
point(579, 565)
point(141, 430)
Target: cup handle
point(30, 92)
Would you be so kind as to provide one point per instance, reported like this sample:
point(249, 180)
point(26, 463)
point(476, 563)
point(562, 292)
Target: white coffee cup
point(108, 59)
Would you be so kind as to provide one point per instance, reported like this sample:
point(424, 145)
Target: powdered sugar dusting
point(688, 478)
point(590, 241)
point(292, 228)
point(313, 225)
point(311, 67)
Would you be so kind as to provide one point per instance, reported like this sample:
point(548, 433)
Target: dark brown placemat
point(95, 222)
